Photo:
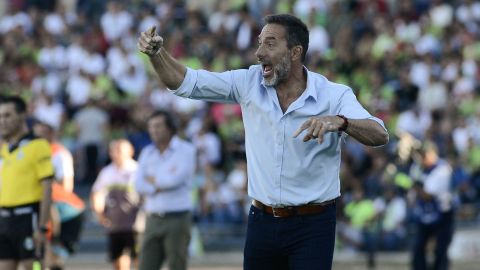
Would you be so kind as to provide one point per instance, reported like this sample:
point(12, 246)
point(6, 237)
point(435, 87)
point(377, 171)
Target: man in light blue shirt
point(293, 120)
point(164, 178)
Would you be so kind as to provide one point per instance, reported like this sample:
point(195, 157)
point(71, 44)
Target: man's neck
point(163, 146)
point(120, 163)
point(15, 138)
point(292, 88)
point(294, 85)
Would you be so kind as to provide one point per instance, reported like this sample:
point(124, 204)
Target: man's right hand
point(39, 239)
point(150, 42)
point(102, 219)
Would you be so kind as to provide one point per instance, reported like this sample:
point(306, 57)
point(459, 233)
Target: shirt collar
point(23, 140)
point(174, 142)
point(172, 145)
point(310, 89)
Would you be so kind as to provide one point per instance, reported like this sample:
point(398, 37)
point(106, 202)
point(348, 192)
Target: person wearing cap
point(295, 121)
point(433, 207)
point(26, 177)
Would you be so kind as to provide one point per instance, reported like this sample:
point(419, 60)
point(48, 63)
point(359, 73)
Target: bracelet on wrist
point(344, 126)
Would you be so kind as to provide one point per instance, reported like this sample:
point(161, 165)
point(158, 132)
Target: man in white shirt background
point(164, 178)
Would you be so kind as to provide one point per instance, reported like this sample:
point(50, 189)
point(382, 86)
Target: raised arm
point(170, 71)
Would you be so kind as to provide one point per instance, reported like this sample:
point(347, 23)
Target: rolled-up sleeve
point(213, 86)
point(349, 106)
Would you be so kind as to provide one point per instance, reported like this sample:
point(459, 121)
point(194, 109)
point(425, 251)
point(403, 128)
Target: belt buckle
point(275, 208)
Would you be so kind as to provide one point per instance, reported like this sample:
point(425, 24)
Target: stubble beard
point(7, 133)
point(280, 72)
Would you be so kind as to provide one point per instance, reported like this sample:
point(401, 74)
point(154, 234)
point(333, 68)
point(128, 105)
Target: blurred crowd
point(413, 63)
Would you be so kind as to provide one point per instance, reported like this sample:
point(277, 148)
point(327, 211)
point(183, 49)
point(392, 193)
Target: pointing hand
point(150, 42)
point(316, 127)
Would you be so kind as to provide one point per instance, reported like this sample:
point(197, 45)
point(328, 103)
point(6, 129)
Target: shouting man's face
point(273, 54)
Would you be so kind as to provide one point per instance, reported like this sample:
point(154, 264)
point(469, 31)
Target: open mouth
point(267, 70)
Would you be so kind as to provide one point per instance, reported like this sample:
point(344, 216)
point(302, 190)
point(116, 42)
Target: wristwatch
point(344, 126)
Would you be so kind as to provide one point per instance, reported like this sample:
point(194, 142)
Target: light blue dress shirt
point(173, 171)
point(282, 170)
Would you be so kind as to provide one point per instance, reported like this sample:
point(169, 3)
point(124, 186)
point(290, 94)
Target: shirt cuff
point(378, 121)
point(186, 88)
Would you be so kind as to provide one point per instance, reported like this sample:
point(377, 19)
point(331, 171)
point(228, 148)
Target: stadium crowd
point(414, 64)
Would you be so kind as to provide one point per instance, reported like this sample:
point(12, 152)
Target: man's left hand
point(317, 126)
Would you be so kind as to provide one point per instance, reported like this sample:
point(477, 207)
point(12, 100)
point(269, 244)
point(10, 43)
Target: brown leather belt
point(289, 211)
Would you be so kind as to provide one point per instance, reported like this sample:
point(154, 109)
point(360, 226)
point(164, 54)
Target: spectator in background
point(50, 111)
point(414, 121)
point(230, 197)
point(61, 157)
point(68, 213)
point(25, 196)
point(67, 208)
point(360, 230)
point(393, 212)
point(433, 207)
point(91, 125)
point(164, 177)
point(116, 21)
point(116, 204)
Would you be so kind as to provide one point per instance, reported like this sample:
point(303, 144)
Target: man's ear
point(296, 52)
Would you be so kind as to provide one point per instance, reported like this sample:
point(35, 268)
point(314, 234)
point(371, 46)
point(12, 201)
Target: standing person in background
point(433, 207)
point(287, 177)
point(68, 214)
point(61, 156)
point(67, 208)
point(91, 125)
point(116, 204)
point(25, 194)
point(165, 177)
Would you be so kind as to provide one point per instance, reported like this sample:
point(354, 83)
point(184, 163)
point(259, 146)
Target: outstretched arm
point(170, 71)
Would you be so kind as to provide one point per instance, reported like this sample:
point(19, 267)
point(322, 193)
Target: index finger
point(151, 31)
point(304, 126)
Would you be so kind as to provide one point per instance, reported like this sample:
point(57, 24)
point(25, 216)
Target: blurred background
point(412, 63)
